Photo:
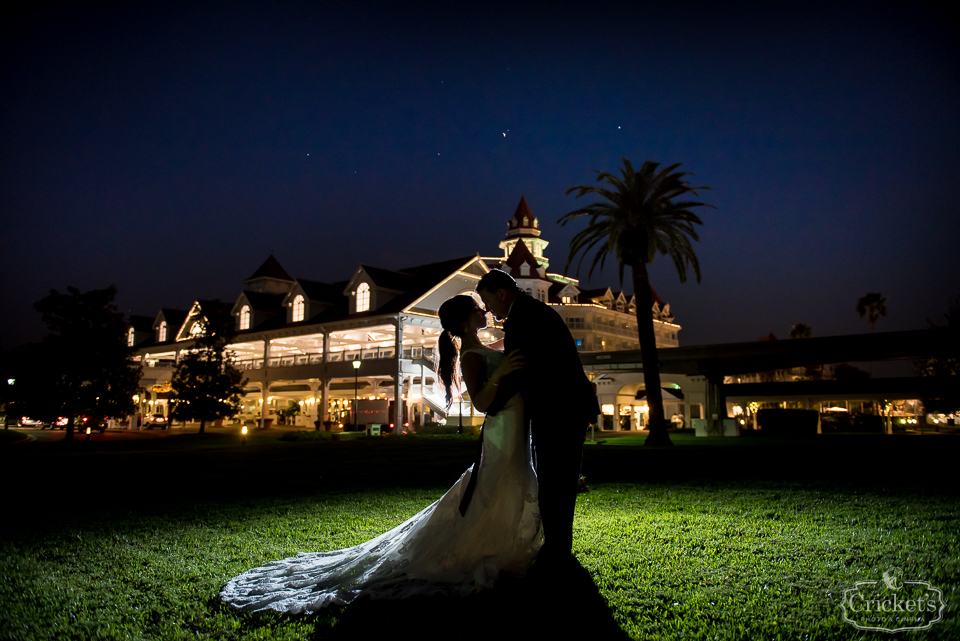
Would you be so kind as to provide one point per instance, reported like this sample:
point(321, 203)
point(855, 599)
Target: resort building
point(311, 348)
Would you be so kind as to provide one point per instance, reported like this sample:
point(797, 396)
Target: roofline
point(459, 270)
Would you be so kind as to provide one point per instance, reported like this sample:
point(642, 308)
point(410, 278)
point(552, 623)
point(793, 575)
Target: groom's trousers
point(558, 477)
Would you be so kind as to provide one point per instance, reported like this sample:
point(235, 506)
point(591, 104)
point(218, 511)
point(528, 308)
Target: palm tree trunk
point(648, 354)
point(201, 426)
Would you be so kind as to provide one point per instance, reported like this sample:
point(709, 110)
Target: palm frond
point(640, 215)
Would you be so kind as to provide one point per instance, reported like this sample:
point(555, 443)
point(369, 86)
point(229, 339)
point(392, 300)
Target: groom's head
point(497, 290)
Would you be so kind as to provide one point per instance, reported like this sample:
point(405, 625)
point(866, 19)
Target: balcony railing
point(370, 353)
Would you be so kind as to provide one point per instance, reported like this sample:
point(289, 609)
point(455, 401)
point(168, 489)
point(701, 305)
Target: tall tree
point(873, 306)
point(643, 214)
point(206, 384)
point(801, 330)
point(84, 366)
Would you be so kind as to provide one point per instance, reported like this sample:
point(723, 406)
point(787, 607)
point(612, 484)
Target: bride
point(457, 545)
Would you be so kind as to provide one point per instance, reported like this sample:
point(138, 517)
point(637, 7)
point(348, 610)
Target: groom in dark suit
point(558, 398)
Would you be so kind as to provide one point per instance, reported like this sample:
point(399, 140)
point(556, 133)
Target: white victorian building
point(317, 346)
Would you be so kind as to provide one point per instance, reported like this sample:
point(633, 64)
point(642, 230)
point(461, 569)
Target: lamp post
point(356, 374)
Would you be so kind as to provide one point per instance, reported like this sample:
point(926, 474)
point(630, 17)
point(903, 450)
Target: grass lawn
point(8, 436)
point(122, 542)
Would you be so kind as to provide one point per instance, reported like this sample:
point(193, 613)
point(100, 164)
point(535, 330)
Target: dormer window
point(298, 309)
point(196, 329)
point(536, 223)
point(565, 300)
point(363, 297)
point(130, 337)
point(244, 317)
point(526, 221)
point(525, 269)
point(162, 333)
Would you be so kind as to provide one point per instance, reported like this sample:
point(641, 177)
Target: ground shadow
point(522, 608)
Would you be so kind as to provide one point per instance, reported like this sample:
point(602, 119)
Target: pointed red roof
point(516, 225)
point(521, 255)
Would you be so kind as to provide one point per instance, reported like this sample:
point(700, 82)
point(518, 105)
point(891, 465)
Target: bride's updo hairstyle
point(453, 314)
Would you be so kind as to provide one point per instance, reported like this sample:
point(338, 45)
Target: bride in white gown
point(439, 550)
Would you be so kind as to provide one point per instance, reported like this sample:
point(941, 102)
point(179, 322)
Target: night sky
point(169, 149)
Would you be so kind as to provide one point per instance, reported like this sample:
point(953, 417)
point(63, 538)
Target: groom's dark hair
point(496, 279)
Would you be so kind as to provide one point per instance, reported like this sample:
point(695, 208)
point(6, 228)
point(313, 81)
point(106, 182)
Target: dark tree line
point(82, 369)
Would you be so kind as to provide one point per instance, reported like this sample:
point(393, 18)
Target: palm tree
point(640, 218)
point(801, 330)
point(873, 306)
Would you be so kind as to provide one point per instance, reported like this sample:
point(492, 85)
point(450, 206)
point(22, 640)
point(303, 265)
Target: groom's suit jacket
point(557, 395)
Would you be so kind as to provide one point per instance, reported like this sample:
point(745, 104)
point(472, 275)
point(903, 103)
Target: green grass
point(682, 557)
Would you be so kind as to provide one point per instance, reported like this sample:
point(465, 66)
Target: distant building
point(297, 339)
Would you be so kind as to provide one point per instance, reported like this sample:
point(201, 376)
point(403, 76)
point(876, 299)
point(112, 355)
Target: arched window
point(363, 297)
point(245, 317)
point(298, 309)
point(130, 337)
point(526, 221)
point(162, 334)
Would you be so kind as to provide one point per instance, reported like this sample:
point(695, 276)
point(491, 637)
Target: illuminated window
point(579, 342)
point(298, 309)
point(565, 300)
point(130, 337)
point(196, 329)
point(163, 331)
point(526, 221)
point(363, 297)
point(245, 317)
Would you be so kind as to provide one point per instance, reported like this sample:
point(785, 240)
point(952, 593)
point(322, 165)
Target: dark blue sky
point(170, 149)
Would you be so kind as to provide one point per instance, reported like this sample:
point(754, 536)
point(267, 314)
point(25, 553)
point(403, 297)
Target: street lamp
point(356, 374)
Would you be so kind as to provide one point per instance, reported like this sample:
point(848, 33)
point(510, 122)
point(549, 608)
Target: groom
point(558, 398)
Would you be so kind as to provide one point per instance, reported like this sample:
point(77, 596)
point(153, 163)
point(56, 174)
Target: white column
point(398, 380)
point(264, 408)
point(313, 405)
point(324, 399)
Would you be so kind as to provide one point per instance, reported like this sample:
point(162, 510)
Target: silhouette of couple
point(506, 514)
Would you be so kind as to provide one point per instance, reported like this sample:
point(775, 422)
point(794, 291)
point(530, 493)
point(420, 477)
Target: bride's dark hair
point(453, 314)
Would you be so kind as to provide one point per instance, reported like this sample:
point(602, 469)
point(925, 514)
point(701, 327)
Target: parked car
point(157, 420)
point(26, 421)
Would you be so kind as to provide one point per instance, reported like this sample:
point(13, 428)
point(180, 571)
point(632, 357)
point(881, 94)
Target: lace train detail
point(436, 551)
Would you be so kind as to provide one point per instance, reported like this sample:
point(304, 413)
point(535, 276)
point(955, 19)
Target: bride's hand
point(509, 363)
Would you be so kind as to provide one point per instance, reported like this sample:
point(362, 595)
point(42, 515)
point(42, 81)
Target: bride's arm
point(471, 366)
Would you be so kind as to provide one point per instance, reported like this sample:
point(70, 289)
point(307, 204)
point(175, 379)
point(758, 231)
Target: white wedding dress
point(437, 551)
